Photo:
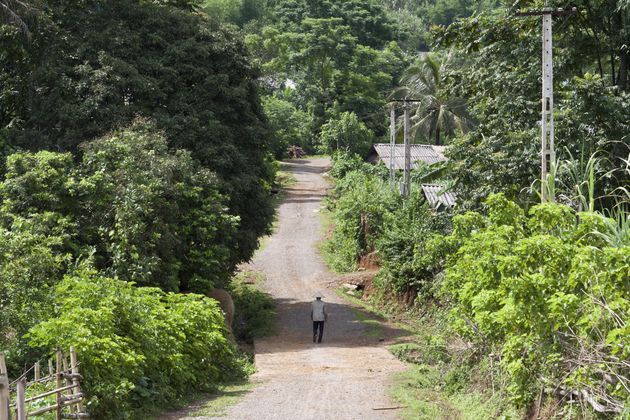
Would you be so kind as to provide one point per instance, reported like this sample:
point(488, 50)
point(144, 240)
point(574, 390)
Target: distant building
point(429, 154)
point(426, 153)
point(436, 198)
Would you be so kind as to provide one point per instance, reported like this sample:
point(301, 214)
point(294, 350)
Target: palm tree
point(435, 114)
point(15, 12)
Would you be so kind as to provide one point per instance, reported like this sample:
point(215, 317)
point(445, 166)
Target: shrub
point(154, 215)
point(291, 126)
point(346, 133)
point(407, 260)
point(32, 261)
point(359, 218)
point(138, 347)
point(255, 311)
point(552, 302)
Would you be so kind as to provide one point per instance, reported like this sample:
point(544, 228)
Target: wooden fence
point(62, 380)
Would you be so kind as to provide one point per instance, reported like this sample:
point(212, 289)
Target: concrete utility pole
point(548, 153)
point(548, 149)
point(392, 145)
point(406, 132)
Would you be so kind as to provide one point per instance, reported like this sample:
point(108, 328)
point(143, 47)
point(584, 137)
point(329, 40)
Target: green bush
point(32, 261)
point(363, 204)
point(291, 126)
point(400, 231)
point(154, 215)
point(254, 313)
point(343, 163)
point(405, 248)
point(138, 347)
point(38, 182)
point(346, 133)
point(149, 214)
point(543, 291)
point(38, 239)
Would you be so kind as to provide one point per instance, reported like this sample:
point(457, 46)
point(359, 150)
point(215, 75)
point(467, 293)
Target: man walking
point(318, 316)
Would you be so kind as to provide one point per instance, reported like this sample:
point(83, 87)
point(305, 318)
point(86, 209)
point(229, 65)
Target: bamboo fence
point(62, 376)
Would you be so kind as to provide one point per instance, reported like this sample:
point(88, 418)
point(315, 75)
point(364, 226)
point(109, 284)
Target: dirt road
point(346, 376)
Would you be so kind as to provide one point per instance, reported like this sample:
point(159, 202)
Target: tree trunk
point(437, 136)
point(622, 76)
point(612, 68)
point(622, 79)
point(613, 49)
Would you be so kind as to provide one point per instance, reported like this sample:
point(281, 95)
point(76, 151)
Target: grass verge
point(284, 180)
point(327, 225)
point(255, 309)
point(218, 403)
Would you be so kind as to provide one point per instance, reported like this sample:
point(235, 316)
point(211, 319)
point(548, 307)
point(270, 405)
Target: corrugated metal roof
point(419, 152)
point(435, 199)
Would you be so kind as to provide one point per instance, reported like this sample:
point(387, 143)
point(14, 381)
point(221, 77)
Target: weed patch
point(255, 309)
point(445, 379)
point(373, 327)
point(225, 397)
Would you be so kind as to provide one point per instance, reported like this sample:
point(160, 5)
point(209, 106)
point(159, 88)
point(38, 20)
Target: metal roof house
point(426, 153)
point(437, 199)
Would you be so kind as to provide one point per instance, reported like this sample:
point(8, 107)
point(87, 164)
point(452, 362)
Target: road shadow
point(304, 166)
point(202, 402)
point(301, 199)
point(348, 326)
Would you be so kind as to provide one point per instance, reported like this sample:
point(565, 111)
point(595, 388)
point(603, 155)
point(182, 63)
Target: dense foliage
point(137, 211)
point(139, 347)
point(135, 151)
point(371, 218)
point(497, 70)
point(131, 137)
point(326, 59)
point(548, 293)
point(359, 215)
point(347, 134)
point(92, 68)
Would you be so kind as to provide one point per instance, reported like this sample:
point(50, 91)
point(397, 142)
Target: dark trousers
point(318, 325)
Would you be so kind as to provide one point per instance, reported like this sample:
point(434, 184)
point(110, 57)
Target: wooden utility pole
point(4, 389)
point(392, 145)
point(548, 153)
point(406, 132)
point(21, 405)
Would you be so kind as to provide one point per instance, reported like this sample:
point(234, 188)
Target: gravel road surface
point(346, 376)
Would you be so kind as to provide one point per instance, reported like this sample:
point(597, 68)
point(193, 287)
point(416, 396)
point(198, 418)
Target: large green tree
point(498, 72)
point(336, 56)
point(93, 66)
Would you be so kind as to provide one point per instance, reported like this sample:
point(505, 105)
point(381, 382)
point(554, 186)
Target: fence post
point(64, 363)
point(4, 390)
point(74, 365)
point(21, 404)
point(59, 384)
point(37, 371)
